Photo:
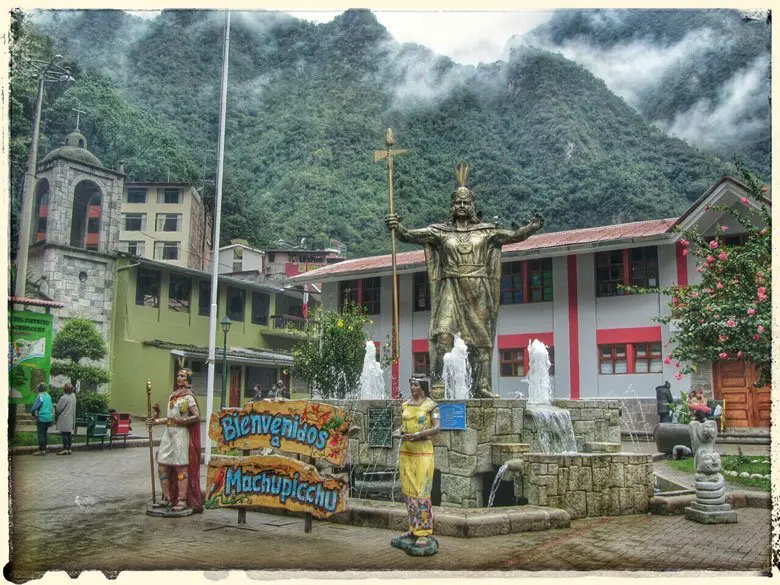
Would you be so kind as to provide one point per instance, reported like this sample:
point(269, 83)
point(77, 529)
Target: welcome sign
point(273, 481)
point(297, 426)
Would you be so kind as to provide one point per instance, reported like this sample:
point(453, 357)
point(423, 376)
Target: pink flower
point(764, 189)
point(763, 232)
point(760, 328)
point(685, 251)
point(677, 375)
point(706, 291)
point(710, 258)
point(723, 355)
point(723, 256)
point(724, 228)
point(684, 243)
point(744, 200)
point(676, 364)
point(701, 321)
point(719, 285)
point(674, 300)
point(731, 323)
point(739, 354)
point(723, 337)
point(668, 360)
point(713, 244)
point(751, 311)
point(761, 291)
point(666, 344)
point(756, 336)
point(698, 269)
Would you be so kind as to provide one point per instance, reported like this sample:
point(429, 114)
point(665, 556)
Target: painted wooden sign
point(273, 481)
point(453, 416)
point(298, 426)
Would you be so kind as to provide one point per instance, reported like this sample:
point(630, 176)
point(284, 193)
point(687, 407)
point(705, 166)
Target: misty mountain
point(700, 75)
point(308, 105)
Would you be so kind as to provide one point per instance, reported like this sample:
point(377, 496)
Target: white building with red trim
point(560, 288)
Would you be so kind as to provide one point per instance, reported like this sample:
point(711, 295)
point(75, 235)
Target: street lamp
point(225, 323)
point(45, 72)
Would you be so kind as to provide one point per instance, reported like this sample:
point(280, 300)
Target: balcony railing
point(288, 322)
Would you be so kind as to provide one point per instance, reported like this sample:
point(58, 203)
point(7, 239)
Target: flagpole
point(215, 240)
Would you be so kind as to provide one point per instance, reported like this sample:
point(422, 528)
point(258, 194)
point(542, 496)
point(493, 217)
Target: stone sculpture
point(710, 506)
point(463, 257)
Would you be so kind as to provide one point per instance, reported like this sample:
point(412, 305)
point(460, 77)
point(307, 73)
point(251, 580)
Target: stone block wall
point(588, 484)
point(464, 457)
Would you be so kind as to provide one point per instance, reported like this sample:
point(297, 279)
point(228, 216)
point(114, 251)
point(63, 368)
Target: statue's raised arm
point(412, 236)
point(503, 236)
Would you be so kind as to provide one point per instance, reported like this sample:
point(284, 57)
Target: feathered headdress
point(461, 176)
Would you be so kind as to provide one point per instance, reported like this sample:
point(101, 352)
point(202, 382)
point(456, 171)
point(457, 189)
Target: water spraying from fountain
point(457, 371)
point(372, 383)
point(553, 424)
point(499, 476)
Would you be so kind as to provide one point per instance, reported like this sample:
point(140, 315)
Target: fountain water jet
point(457, 371)
point(372, 383)
point(553, 424)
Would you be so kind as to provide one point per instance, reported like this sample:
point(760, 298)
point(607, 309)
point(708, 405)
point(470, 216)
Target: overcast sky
point(466, 37)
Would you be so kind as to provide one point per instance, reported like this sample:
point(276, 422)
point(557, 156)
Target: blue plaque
point(453, 416)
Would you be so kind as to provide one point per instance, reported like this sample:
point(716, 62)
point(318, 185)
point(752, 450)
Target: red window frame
point(614, 357)
point(369, 297)
point(649, 352)
point(422, 292)
point(422, 363)
point(512, 362)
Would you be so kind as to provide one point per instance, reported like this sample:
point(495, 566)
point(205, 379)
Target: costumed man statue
point(463, 257)
point(178, 457)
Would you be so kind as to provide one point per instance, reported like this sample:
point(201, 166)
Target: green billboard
point(29, 354)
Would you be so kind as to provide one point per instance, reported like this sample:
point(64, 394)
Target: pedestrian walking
point(282, 391)
point(66, 418)
point(43, 412)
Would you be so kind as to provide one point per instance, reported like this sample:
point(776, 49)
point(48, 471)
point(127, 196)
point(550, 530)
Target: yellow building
point(165, 222)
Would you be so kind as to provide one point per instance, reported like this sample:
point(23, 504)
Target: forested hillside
point(308, 104)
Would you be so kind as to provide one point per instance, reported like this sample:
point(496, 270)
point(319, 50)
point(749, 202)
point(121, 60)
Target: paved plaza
point(86, 512)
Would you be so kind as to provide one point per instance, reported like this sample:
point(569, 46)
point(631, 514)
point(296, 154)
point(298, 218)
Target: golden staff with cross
point(388, 154)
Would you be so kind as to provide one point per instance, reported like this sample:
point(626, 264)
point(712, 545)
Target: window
point(168, 222)
point(237, 265)
point(235, 303)
point(260, 306)
point(135, 248)
point(204, 297)
point(422, 364)
point(634, 266)
point(613, 359)
point(644, 266)
point(271, 256)
point(647, 358)
point(93, 225)
point(147, 288)
point(609, 273)
point(370, 301)
point(136, 195)
point(166, 250)
point(738, 240)
point(422, 292)
point(348, 291)
point(512, 363)
point(179, 293)
point(169, 195)
point(540, 280)
point(134, 222)
point(365, 293)
point(511, 283)
point(42, 225)
point(526, 282)
point(551, 354)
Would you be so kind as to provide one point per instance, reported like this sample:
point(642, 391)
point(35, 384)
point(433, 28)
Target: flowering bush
point(728, 315)
point(330, 358)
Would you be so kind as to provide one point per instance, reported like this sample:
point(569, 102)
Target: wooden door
point(235, 386)
point(746, 405)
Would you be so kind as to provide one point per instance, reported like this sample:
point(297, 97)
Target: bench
point(119, 423)
point(97, 427)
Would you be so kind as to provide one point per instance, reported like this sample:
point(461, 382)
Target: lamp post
point(45, 72)
point(225, 323)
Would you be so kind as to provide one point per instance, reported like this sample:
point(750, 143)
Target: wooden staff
point(388, 154)
point(151, 446)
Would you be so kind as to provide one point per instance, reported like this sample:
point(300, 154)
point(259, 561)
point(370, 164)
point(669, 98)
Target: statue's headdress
point(461, 176)
point(187, 372)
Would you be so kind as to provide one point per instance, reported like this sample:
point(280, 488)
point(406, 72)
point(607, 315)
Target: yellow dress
point(416, 467)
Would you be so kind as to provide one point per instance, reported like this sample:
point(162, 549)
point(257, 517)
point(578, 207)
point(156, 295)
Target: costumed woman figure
point(463, 258)
point(178, 457)
point(419, 422)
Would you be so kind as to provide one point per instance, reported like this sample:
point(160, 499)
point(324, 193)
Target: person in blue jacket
point(43, 412)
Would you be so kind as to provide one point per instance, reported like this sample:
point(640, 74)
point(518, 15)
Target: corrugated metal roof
point(584, 236)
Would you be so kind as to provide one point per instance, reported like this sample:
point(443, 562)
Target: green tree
point(330, 359)
point(79, 340)
point(728, 315)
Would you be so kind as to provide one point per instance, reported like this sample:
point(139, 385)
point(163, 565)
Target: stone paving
point(86, 512)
